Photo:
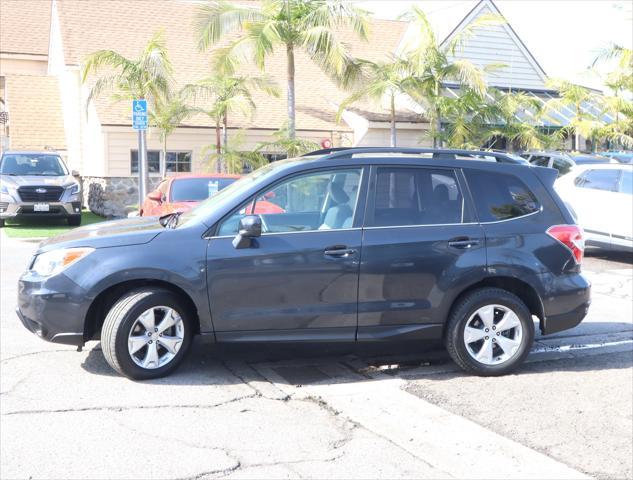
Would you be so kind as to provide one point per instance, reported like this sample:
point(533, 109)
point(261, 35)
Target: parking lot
point(321, 411)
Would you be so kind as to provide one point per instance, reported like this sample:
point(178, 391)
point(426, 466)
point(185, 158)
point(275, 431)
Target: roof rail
point(438, 153)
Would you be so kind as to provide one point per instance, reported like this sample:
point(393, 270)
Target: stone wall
point(113, 197)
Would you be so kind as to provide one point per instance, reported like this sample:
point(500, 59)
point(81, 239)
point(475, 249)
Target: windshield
point(32, 164)
point(583, 159)
point(207, 207)
point(197, 189)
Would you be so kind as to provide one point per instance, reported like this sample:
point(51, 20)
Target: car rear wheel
point(146, 334)
point(489, 332)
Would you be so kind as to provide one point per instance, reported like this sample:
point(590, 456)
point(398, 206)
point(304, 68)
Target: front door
point(299, 280)
point(419, 243)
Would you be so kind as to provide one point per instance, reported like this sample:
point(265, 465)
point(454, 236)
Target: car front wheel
point(146, 334)
point(490, 332)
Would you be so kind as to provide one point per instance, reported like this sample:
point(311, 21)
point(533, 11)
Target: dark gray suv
point(358, 245)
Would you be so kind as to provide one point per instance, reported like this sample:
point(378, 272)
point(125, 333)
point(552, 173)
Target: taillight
point(571, 236)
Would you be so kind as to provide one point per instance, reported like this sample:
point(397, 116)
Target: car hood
point(115, 233)
point(32, 180)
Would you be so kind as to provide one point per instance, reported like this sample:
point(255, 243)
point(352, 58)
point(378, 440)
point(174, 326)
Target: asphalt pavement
point(317, 411)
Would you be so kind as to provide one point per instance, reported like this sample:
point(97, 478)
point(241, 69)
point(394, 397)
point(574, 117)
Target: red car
point(183, 192)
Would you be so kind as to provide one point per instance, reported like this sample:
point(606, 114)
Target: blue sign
point(139, 114)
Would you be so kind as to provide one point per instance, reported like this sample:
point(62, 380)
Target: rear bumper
point(566, 302)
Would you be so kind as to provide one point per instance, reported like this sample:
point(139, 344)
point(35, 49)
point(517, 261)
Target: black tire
point(74, 220)
point(461, 313)
point(120, 320)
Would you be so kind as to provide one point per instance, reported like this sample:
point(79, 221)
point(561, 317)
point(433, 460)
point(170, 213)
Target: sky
point(563, 35)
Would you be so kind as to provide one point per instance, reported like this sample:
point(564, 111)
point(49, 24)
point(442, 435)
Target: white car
point(602, 197)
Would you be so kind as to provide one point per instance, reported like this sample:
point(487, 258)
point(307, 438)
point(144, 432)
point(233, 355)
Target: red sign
point(326, 143)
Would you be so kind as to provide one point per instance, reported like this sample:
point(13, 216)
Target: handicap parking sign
point(139, 114)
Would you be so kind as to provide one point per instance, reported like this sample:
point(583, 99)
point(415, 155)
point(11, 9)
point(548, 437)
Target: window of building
point(416, 196)
point(599, 180)
point(178, 162)
point(499, 196)
point(153, 161)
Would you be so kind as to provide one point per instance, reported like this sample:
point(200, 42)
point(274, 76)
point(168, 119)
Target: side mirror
point(75, 173)
point(156, 196)
point(250, 228)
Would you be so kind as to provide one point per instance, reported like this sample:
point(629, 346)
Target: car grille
point(30, 194)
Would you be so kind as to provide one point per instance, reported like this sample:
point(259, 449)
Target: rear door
point(622, 232)
point(421, 245)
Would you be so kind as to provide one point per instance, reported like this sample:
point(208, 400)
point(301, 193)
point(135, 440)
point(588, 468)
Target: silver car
point(38, 184)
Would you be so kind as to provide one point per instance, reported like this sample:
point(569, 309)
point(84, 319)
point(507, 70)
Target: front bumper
point(54, 308)
point(27, 209)
point(565, 303)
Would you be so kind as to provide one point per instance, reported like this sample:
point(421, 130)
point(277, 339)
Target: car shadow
point(612, 256)
point(312, 363)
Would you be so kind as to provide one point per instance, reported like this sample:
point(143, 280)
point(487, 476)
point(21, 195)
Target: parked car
point(38, 184)
point(602, 197)
point(622, 157)
point(563, 161)
point(453, 248)
point(182, 193)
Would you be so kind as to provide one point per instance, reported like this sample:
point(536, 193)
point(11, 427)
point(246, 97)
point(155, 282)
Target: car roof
point(30, 152)
point(601, 166)
point(203, 175)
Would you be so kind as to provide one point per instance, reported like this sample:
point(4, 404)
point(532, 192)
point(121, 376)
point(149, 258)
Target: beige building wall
point(406, 136)
point(15, 64)
point(120, 141)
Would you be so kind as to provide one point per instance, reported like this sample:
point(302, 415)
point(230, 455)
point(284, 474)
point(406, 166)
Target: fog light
point(77, 210)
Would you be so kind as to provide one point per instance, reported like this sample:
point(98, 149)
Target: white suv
point(38, 184)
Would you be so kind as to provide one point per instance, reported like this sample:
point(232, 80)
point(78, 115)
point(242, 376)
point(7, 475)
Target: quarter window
point(323, 200)
point(415, 196)
point(500, 196)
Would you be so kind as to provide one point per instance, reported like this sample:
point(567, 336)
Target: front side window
point(500, 196)
point(323, 200)
point(33, 164)
point(153, 161)
point(599, 180)
point(415, 196)
point(539, 161)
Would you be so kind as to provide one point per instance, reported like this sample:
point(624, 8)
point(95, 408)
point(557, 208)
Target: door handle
point(339, 251)
point(463, 242)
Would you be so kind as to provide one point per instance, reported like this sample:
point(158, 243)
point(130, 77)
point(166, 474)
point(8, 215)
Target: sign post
point(139, 123)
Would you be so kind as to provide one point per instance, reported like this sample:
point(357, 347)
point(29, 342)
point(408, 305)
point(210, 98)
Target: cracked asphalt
point(318, 411)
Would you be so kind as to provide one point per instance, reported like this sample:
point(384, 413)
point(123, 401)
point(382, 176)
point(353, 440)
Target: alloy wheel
point(493, 334)
point(156, 337)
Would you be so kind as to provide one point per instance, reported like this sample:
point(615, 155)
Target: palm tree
point(148, 76)
point(292, 146)
point(573, 96)
point(168, 113)
point(433, 65)
point(375, 81)
point(290, 24)
point(226, 95)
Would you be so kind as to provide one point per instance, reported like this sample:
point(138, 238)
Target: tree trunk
point(393, 121)
point(218, 146)
point(163, 163)
point(291, 90)
point(438, 129)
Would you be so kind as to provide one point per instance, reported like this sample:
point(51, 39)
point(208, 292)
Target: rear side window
point(500, 196)
point(539, 161)
point(599, 180)
point(415, 196)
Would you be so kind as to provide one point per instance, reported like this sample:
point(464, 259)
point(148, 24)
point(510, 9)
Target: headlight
point(53, 262)
point(74, 189)
point(4, 189)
